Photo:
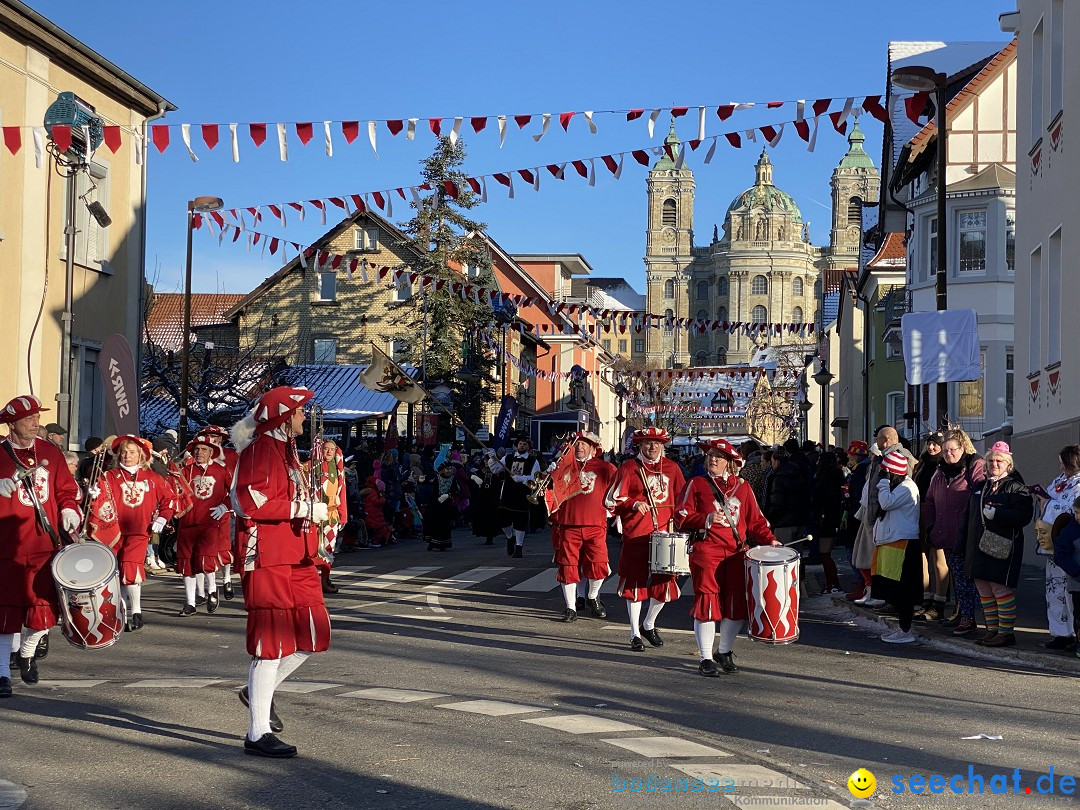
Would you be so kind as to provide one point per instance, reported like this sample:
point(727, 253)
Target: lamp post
point(198, 205)
point(924, 79)
point(823, 378)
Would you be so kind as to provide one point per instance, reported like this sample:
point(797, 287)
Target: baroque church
point(761, 269)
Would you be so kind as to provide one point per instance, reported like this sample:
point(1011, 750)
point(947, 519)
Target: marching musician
point(199, 529)
point(131, 502)
point(724, 506)
point(226, 533)
point(643, 497)
point(579, 529)
point(278, 533)
point(28, 596)
point(522, 467)
point(330, 475)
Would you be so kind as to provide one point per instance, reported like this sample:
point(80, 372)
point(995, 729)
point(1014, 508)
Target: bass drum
point(87, 577)
point(167, 546)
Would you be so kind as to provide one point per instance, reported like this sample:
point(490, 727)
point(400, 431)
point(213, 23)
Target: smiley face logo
point(862, 784)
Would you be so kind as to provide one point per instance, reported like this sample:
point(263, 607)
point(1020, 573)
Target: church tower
point(855, 183)
point(668, 255)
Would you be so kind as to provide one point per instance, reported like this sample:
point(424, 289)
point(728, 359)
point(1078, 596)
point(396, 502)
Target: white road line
point(392, 695)
point(583, 724)
point(396, 577)
point(71, 684)
point(657, 747)
point(433, 603)
point(173, 683)
point(542, 582)
point(491, 708)
point(11, 795)
point(352, 572)
point(305, 687)
point(466, 579)
point(741, 775)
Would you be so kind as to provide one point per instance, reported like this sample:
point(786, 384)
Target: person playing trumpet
point(522, 467)
point(724, 506)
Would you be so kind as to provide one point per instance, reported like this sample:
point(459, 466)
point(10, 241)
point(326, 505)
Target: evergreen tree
point(452, 251)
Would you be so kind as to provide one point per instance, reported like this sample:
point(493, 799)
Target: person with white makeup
point(131, 502)
point(724, 506)
point(28, 598)
point(278, 516)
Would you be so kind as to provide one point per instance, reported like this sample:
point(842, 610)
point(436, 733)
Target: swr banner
point(116, 364)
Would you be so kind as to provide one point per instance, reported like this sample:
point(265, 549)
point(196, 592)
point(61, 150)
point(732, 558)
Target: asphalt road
point(450, 684)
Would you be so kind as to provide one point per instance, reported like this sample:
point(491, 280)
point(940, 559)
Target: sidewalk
point(1031, 630)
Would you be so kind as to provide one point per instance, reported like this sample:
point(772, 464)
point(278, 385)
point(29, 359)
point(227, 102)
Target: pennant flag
point(159, 134)
point(258, 133)
point(13, 139)
point(305, 132)
point(351, 130)
point(395, 126)
point(386, 376)
point(112, 138)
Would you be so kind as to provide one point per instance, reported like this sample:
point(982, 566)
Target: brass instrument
point(542, 480)
point(96, 469)
point(316, 430)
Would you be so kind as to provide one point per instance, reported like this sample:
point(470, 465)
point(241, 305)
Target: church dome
point(763, 194)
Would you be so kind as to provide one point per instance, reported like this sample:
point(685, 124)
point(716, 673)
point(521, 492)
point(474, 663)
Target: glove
point(157, 525)
point(442, 498)
point(219, 511)
point(69, 521)
point(7, 487)
point(551, 467)
point(989, 510)
point(478, 480)
point(93, 492)
point(317, 512)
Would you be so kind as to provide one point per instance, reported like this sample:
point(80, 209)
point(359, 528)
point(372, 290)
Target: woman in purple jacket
point(944, 509)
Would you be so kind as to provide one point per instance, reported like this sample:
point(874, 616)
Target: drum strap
point(732, 523)
point(25, 476)
point(648, 494)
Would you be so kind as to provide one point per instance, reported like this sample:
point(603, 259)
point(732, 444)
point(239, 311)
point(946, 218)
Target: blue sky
point(287, 61)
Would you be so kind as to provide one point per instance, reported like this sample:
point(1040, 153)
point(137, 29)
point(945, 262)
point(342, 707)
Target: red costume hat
point(20, 408)
point(216, 451)
point(651, 434)
point(723, 447)
point(591, 438)
point(215, 430)
point(858, 448)
point(274, 407)
point(139, 442)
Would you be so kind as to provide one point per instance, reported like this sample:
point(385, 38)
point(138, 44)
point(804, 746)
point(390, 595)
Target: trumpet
point(316, 428)
point(542, 480)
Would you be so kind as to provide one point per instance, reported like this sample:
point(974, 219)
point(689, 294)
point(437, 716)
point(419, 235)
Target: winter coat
point(1014, 510)
point(827, 501)
point(924, 472)
point(1067, 553)
point(946, 503)
point(899, 512)
point(787, 496)
point(374, 502)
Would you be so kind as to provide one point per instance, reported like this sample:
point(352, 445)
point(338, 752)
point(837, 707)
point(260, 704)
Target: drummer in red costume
point(278, 541)
point(712, 502)
point(579, 529)
point(27, 593)
point(130, 503)
point(228, 457)
point(641, 512)
point(199, 529)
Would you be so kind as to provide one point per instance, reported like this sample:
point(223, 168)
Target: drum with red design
point(87, 576)
point(771, 574)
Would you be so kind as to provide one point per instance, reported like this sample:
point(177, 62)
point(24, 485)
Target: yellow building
point(38, 61)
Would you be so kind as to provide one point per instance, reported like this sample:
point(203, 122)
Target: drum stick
point(800, 540)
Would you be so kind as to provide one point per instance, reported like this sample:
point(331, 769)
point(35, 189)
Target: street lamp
point(198, 205)
point(923, 79)
point(823, 378)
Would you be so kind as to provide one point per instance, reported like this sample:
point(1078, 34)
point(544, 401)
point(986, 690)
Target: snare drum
point(669, 553)
point(87, 576)
point(771, 574)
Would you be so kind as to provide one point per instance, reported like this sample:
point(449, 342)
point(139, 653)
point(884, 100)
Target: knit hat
point(858, 448)
point(1000, 449)
point(895, 463)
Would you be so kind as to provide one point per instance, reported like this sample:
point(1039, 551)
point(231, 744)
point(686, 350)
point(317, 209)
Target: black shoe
point(200, 601)
point(269, 746)
point(276, 725)
point(653, 637)
point(212, 602)
point(186, 610)
point(568, 616)
point(1058, 642)
point(519, 551)
point(597, 609)
point(725, 662)
point(228, 591)
point(637, 645)
point(708, 669)
point(42, 651)
point(28, 670)
point(581, 603)
point(511, 544)
point(5, 687)
point(136, 621)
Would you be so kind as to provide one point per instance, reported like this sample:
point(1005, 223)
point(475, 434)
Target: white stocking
point(569, 594)
point(189, 591)
point(211, 582)
point(134, 597)
point(594, 587)
point(634, 609)
point(262, 680)
point(16, 641)
point(200, 584)
point(289, 664)
point(519, 537)
point(705, 633)
point(30, 642)
point(729, 628)
point(226, 576)
point(654, 611)
point(6, 640)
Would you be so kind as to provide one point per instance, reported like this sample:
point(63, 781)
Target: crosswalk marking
point(546, 581)
point(583, 724)
point(393, 695)
point(467, 579)
point(352, 571)
point(173, 683)
point(75, 683)
point(304, 687)
point(741, 775)
point(658, 747)
point(394, 578)
point(492, 708)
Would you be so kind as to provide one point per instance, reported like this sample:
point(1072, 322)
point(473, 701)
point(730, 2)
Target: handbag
point(995, 545)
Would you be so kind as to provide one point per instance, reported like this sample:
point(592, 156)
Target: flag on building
point(386, 376)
